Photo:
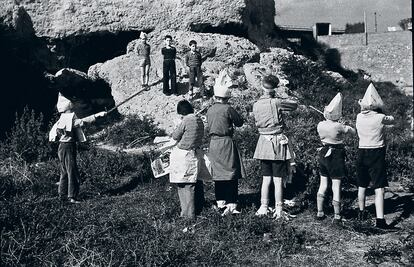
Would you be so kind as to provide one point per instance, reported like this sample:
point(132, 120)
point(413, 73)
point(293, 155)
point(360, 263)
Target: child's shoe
point(73, 200)
point(320, 216)
point(262, 211)
point(380, 223)
point(283, 215)
point(230, 209)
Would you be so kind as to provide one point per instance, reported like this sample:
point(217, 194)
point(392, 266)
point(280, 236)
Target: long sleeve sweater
point(221, 118)
point(332, 132)
point(370, 128)
point(268, 114)
point(189, 132)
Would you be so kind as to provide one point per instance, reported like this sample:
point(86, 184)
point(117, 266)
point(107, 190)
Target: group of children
point(273, 149)
point(193, 61)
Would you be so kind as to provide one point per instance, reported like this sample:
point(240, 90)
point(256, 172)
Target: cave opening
point(82, 51)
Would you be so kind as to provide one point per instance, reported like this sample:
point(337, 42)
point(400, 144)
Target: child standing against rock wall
point(226, 164)
point(143, 50)
point(68, 131)
point(371, 165)
point(193, 60)
point(332, 156)
point(169, 71)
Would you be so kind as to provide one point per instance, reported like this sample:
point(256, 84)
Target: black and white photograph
point(206, 133)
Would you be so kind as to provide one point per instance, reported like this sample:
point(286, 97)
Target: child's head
point(64, 105)
point(184, 108)
point(168, 40)
point(193, 45)
point(143, 36)
point(269, 84)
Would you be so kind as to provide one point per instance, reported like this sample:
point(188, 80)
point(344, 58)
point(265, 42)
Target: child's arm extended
point(349, 130)
point(235, 117)
point(89, 119)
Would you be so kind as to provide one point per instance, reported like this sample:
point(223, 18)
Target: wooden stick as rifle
point(134, 95)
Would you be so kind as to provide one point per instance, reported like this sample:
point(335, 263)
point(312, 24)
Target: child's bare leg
point(361, 198)
point(336, 202)
point(264, 198)
point(143, 75)
point(379, 202)
point(147, 69)
point(278, 195)
point(321, 195)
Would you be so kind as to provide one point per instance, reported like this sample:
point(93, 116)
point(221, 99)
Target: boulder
point(123, 73)
point(88, 94)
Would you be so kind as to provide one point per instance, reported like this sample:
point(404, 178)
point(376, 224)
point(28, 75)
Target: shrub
point(134, 127)
point(27, 139)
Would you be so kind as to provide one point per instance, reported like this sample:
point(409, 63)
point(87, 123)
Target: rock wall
point(388, 56)
point(62, 18)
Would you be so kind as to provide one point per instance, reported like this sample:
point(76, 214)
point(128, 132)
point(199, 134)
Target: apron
point(225, 159)
point(187, 166)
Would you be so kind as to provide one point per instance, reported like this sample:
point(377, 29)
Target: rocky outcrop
point(62, 18)
point(123, 73)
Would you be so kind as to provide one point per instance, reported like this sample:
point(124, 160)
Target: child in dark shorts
point(371, 165)
point(272, 148)
point(331, 156)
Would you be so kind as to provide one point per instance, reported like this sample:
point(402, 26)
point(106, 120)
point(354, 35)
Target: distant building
point(298, 33)
point(394, 29)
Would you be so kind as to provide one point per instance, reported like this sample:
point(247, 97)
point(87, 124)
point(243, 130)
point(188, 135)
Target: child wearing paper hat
point(272, 148)
point(226, 163)
point(370, 124)
point(331, 156)
point(67, 130)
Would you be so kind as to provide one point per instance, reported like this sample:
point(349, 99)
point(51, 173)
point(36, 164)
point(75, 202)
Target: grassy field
point(128, 218)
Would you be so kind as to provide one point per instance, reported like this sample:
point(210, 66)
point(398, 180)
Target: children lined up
point(273, 148)
point(193, 61)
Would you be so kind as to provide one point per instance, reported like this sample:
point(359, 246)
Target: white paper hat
point(222, 85)
point(333, 111)
point(371, 99)
point(63, 104)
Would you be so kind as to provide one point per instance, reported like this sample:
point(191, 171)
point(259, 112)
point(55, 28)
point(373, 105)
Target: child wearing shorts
point(272, 148)
point(331, 156)
point(371, 165)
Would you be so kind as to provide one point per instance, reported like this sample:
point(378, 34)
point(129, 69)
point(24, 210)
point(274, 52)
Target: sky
point(339, 12)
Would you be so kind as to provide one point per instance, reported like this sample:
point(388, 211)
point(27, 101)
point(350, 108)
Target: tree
point(354, 27)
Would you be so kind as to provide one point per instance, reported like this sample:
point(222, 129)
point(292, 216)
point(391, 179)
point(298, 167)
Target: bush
point(27, 139)
point(133, 128)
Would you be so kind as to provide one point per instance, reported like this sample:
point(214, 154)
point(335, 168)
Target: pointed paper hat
point(63, 104)
point(333, 111)
point(222, 85)
point(371, 99)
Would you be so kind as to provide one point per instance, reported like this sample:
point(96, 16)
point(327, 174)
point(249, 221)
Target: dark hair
point(192, 42)
point(270, 81)
point(184, 107)
point(168, 37)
